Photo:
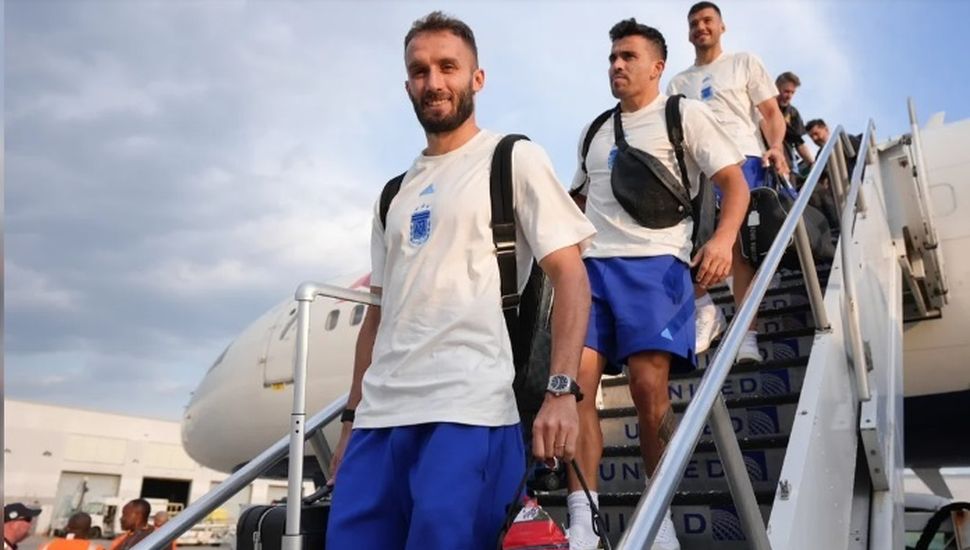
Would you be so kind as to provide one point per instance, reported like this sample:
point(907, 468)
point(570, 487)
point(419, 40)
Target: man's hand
point(714, 261)
point(556, 428)
point(775, 156)
point(338, 453)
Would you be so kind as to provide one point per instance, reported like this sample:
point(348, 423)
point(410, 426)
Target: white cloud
point(175, 168)
point(31, 290)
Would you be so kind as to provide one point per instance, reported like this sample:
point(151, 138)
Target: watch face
point(559, 383)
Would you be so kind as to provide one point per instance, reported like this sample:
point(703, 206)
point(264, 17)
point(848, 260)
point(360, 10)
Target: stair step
point(759, 379)
point(786, 280)
point(622, 470)
point(785, 344)
point(750, 416)
point(703, 520)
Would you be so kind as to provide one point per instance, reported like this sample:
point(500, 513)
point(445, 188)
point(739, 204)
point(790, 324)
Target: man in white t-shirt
point(741, 95)
point(643, 307)
point(433, 454)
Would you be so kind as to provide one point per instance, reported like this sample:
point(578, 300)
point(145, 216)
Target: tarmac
point(36, 541)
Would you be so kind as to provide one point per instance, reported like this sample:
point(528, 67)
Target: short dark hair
point(788, 76)
point(437, 21)
point(815, 122)
point(630, 27)
point(703, 6)
point(143, 507)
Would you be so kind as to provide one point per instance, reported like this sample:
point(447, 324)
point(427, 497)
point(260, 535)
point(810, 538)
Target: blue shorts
point(641, 304)
point(754, 173)
point(437, 486)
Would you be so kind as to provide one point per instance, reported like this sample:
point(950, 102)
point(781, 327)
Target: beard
point(434, 124)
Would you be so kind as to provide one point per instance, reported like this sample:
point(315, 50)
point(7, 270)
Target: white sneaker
point(749, 352)
point(583, 540)
point(582, 533)
point(666, 537)
point(710, 323)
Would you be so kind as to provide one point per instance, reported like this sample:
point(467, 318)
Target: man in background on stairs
point(787, 84)
point(431, 450)
point(76, 538)
point(134, 521)
point(643, 301)
point(739, 91)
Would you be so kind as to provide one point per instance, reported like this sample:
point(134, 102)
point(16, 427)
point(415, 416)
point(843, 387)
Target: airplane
point(243, 402)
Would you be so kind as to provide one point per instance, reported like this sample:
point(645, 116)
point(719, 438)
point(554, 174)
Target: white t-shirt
point(442, 352)
point(733, 85)
point(707, 149)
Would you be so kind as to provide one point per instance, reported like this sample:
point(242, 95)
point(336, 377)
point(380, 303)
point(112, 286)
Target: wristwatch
point(560, 384)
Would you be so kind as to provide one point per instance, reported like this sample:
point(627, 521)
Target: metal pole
point(922, 183)
point(856, 349)
point(840, 168)
point(198, 510)
point(737, 476)
point(835, 182)
point(322, 451)
point(812, 286)
point(292, 538)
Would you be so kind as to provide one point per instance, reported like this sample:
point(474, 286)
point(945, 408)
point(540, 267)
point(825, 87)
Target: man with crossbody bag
point(639, 261)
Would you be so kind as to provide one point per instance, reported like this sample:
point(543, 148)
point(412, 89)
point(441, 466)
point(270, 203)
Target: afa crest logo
point(420, 225)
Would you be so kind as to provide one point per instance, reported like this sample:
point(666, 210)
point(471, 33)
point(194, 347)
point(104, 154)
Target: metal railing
point(855, 204)
point(291, 444)
point(707, 403)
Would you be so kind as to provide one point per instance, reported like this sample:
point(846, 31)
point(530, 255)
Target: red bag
point(534, 529)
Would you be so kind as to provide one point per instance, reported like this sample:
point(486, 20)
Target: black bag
point(526, 315)
point(767, 211)
point(262, 527)
point(643, 186)
point(646, 189)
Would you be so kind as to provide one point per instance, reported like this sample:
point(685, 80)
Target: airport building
point(61, 459)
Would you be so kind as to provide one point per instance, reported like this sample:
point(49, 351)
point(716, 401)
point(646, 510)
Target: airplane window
point(332, 319)
point(358, 315)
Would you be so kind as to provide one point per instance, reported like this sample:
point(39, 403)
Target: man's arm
point(773, 128)
point(557, 424)
point(362, 358)
point(714, 258)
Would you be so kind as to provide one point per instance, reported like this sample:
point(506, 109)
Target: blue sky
point(174, 169)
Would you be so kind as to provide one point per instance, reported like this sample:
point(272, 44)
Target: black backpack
point(767, 210)
point(703, 207)
point(526, 314)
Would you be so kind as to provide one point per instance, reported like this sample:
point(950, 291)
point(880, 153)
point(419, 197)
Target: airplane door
point(277, 357)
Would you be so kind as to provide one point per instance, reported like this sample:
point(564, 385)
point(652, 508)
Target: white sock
point(581, 517)
point(704, 300)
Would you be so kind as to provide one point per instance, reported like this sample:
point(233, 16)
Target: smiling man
point(431, 451)
point(742, 96)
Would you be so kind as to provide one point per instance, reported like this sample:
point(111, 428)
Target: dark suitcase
point(262, 527)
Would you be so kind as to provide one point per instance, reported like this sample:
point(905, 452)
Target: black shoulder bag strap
point(503, 229)
point(594, 127)
point(675, 133)
point(387, 195)
point(503, 224)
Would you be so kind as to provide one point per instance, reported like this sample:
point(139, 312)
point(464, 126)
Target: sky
point(174, 169)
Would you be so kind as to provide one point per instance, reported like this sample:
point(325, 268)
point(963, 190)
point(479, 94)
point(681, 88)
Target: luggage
point(262, 527)
point(767, 211)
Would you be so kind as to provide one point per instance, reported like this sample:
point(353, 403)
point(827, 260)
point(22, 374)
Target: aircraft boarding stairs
point(762, 401)
point(808, 442)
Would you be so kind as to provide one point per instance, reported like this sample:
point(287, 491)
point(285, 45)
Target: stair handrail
point(653, 505)
point(855, 204)
point(289, 444)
